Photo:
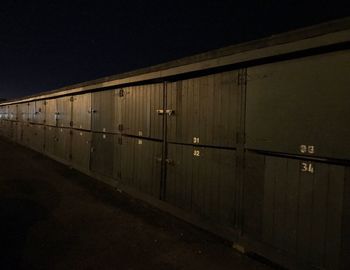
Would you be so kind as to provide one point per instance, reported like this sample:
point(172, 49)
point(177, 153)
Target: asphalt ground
point(53, 217)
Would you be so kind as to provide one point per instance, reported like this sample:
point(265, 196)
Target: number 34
point(307, 167)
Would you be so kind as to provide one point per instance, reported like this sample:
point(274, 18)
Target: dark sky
point(47, 45)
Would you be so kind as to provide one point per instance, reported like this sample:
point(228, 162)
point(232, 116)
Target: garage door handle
point(170, 162)
point(168, 112)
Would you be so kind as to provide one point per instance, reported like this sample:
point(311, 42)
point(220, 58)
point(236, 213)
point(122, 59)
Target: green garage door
point(300, 106)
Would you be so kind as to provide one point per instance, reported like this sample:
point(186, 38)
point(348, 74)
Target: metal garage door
point(300, 106)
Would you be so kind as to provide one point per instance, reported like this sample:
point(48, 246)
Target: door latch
point(168, 112)
point(170, 162)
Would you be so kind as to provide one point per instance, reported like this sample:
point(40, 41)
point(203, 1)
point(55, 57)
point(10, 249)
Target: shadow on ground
point(23, 204)
point(17, 217)
point(55, 218)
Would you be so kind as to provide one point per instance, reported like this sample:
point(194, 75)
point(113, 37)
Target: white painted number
point(307, 149)
point(303, 148)
point(195, 139)
point(196, 153)
point(307, 167)
point(311, 149)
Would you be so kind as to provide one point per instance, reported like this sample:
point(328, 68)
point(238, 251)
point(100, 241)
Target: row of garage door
point(263, 150)
point(295, 107)
point(298, 213)
point(139, 110)
point(137, 163)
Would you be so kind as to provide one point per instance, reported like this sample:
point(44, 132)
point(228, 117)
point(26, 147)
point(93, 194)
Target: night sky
point(44, 46)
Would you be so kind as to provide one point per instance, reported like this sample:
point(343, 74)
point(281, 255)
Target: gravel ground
point(53, 217)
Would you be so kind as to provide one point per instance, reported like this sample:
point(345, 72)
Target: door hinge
point(120, 127)
point(240, 138)
point(71, 123)
point(71, 99)
point(242, 78)
point(121, 93)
